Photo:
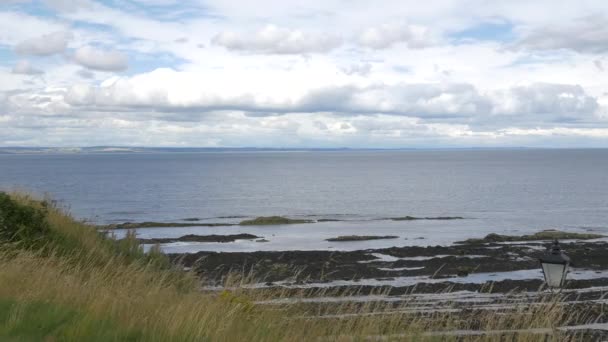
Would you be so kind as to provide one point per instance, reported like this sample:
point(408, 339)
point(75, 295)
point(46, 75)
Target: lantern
point(555, 266)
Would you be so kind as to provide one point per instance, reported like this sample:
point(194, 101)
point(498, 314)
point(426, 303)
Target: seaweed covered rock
point(345, 238)
point(549, 234)
point(270, 220)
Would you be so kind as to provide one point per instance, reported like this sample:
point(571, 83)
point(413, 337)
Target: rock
point(411, 218)
point(345, 238)
point(134, 225)
point(271, 220)
point(542, 235)
point(201, 238)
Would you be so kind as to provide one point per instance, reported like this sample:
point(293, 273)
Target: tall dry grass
point(117, 292)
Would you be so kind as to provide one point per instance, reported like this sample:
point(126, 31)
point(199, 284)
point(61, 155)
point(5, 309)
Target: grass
point(61, 280)
point(37, 321)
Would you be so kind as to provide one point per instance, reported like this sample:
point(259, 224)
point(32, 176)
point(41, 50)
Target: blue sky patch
point(487, 31)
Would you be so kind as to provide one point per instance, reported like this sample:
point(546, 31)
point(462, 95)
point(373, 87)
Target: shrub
point(23, 224)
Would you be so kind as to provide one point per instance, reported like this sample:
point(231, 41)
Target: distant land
point(130, 149)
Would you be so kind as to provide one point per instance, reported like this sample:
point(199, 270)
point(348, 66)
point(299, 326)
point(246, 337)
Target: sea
point(506, 191)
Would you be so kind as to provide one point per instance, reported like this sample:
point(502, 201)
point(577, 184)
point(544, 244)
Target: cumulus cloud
point(387, 35)
point(545, 101)
point(172, 91)
point(584, 35)
point(84, 73)
point(417, 100)
point(101, 60)
point(599, 65)
point(275, 40)
point(361, 69)
point(157, 109)
point(25, 68)
point(366, 78)
point(68, 5)
point(45, 45)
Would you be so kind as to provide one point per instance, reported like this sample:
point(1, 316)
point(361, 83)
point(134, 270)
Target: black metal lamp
point(555, 266)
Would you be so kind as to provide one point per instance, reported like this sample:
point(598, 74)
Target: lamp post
point(555, 266)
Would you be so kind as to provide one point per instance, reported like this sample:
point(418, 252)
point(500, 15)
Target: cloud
point(45, 45)
point(599, 65)
point(182, 96)
point(399, 74)
point(361, 69)
point(101, 60)
point(416, 100)
point(25, 68)
point(169, 91)
point(84, 73)
point(69, 5)
point(584, 35)
point(387, 35)
point(275, 40)
point(545, 102)
point(157, 2)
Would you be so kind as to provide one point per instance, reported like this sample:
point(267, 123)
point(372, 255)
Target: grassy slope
point(61, 280)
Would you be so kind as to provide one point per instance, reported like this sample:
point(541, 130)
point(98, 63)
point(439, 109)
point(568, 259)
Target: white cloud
point(586, 34)
point(25, 68)
point(387, 35)
point(84, 73)
point(397, 74)
point(69, 5)
point(185, 94)
point(101, 60)
point(275, 40)
point(45, 45)
point(16, 27)
point(599, 65)
point(362, 69)
point(541, 102)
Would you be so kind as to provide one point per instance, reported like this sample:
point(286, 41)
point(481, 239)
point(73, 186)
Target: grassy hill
point(62, 280)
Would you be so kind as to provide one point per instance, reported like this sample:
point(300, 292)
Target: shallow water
point(473, 278)
point(501, 191)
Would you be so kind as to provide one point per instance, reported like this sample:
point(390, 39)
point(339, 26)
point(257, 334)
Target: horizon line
point(126, 147)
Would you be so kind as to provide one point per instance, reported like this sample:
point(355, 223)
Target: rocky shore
point(201, 238)
point(505, 265)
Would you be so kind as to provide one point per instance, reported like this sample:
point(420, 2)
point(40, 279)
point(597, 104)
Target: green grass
point(37, 321)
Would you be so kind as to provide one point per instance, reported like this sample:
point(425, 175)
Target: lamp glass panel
point(554, 274)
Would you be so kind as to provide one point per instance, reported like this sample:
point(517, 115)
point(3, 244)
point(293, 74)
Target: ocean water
point(505, 191)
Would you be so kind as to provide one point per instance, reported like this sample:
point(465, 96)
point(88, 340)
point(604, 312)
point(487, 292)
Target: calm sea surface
point(497, 191)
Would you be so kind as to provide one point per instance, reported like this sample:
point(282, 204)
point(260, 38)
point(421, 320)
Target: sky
point(331, 73)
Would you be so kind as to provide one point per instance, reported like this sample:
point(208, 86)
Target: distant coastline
point(137, 149)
